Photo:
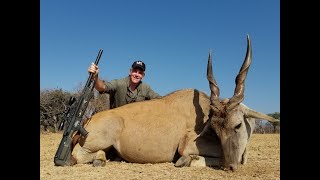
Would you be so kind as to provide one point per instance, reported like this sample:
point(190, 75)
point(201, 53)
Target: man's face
point(136, 75)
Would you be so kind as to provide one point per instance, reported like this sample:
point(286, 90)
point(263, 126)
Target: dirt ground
point(263, 163)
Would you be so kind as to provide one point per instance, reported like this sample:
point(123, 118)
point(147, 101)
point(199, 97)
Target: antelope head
point(233, 121)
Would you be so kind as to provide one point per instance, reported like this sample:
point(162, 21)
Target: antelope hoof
point(98, 163)
point(183, 161)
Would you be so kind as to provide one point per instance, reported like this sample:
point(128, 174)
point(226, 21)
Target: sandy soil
point(263, 163)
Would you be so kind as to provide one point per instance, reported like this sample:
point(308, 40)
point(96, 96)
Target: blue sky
point(172, 37)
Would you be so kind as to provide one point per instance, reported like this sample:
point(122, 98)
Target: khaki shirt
point(120, 93)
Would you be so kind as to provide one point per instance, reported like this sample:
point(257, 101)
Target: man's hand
point(94, 69)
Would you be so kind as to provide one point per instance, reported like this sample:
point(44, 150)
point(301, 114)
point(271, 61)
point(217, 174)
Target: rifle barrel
point(96, 62)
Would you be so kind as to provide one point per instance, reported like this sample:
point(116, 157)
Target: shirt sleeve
point(110, 86)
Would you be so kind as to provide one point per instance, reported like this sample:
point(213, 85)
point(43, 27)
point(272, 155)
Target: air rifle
point(74, 122)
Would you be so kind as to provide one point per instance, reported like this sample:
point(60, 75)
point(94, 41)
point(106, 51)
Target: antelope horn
point(241, 77)
point(215, 91)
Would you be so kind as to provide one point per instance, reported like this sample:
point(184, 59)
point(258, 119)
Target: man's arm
point(100, 85)
point(152, 94)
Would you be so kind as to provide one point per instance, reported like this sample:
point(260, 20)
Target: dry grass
point(263, 163)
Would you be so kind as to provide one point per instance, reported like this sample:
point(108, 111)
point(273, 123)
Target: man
point(126, 90)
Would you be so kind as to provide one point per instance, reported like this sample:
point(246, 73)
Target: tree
point(99, 102)
point(263, 126)
point(276, 125)
point(52, 104)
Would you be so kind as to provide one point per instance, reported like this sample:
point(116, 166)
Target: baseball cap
point(139, 64)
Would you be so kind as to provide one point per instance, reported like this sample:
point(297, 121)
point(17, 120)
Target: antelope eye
point(238, 126)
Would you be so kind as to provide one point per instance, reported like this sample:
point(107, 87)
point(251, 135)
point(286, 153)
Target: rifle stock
point(74, 122)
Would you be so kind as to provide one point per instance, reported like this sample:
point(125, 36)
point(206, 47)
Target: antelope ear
point(249, 113)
